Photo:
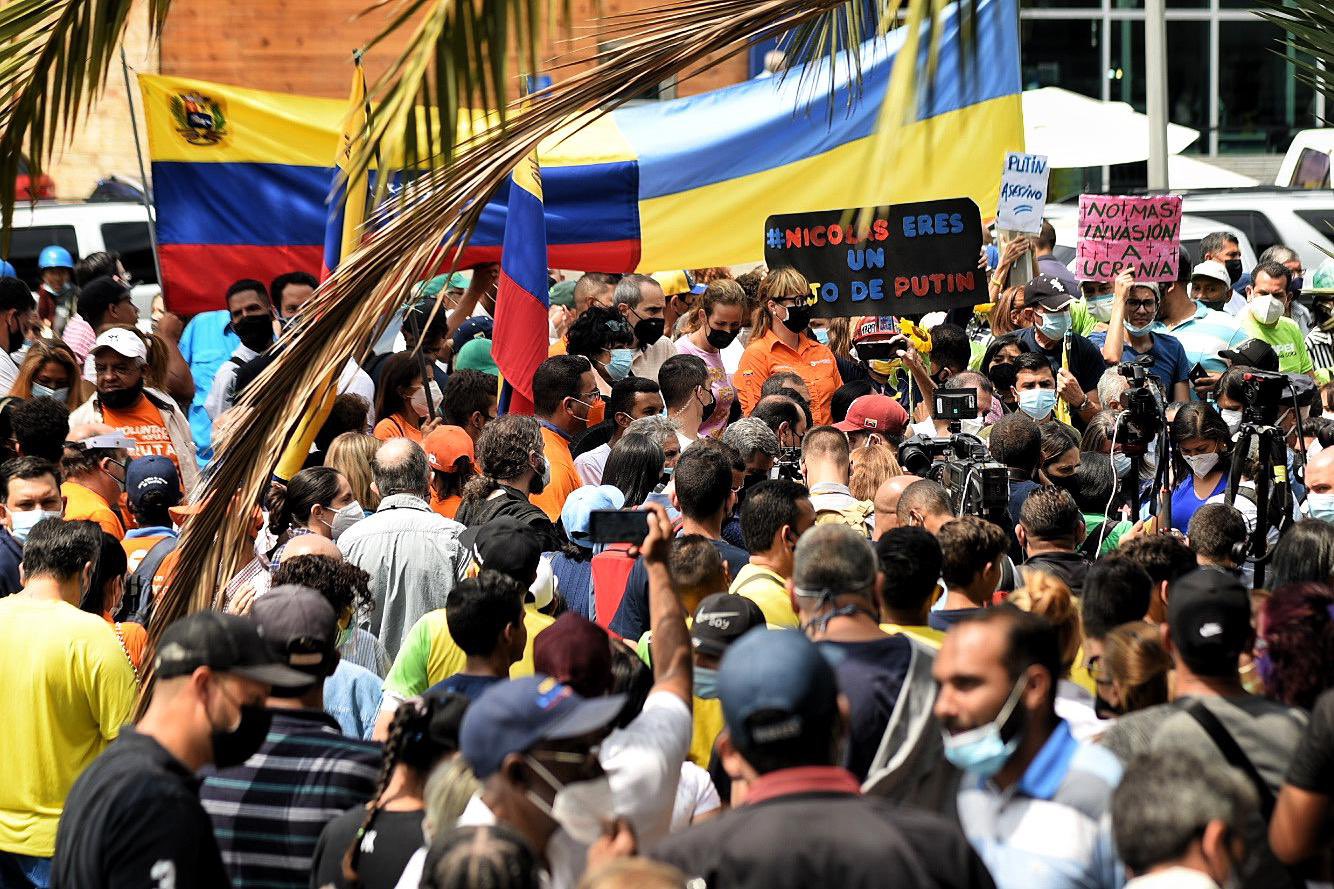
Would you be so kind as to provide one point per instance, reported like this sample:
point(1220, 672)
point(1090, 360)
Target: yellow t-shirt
point(70, 688)
point(708, 725)
point(769, 591)
point(926, 635)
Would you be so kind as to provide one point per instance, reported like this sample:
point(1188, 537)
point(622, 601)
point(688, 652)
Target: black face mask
point(1233, 267)
point(648, 331)
point(1003, 376)
point(721, 339)
point(235, 746)
point(798, 318)
point(707, 408)
point(120, 399)
point(13, 339)
point(255, 331)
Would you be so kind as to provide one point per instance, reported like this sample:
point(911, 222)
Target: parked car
point(1298, 218)
point(1306, 165)
point(84, 228)
point(28, 187)
point(1065, 219)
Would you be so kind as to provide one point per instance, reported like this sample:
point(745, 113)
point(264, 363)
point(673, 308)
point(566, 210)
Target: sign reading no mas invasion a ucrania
point(1118, 232)
point(907, 259)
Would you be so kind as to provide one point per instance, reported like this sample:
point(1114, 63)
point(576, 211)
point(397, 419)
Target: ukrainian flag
point(679, 184)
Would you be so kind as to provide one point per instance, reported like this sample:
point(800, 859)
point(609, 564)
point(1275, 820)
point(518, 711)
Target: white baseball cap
point(122, 341)
point(1212, 268)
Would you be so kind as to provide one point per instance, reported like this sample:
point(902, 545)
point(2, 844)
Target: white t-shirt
point(9, 373)
point(590, 464)
point(695, 795)
point(643, 762)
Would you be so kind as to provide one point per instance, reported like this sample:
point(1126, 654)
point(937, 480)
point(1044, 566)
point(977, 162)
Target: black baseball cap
point(1254, 353)
point(776, 689)
point(720, 620)
point(226, 643)
point(1049, 292)
point(152, 473)
point(1209, 616)
point(509, 546)
point(301, 628)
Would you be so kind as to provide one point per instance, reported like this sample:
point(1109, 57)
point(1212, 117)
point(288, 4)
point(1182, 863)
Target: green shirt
point(1287, 340)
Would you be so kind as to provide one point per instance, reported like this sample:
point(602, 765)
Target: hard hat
point(7, 269)
point(55, 257)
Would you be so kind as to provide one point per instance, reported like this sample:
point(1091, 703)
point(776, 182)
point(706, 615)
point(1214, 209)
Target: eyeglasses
point(1133, 304)
point(788, 302)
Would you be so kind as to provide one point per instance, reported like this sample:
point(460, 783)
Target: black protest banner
point(909, 259)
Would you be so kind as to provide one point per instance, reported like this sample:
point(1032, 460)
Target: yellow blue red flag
point(520, 337)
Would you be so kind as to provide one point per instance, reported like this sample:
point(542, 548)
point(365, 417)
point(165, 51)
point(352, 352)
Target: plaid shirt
point(268, 813)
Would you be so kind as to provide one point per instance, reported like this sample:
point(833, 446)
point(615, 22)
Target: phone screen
point(617, 526)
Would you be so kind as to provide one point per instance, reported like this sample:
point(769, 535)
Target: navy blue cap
point(476, 327)
point(152, 473)
point(775, 687)
point(513, 716)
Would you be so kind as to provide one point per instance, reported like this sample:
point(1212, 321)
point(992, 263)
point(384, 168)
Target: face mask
point(1121, 464)
point(543, 479)
point(665, 477)
point(1266, 309)
point(798, 318)
point(972, 427)
point(1054, 325)
point(1295, 288)
point(1318, 506)
point(981, 751)
point(822, 336)
point(61, 395)
point(884, 368)
point(1100, 307)
point(22, 522)
point(345, 635)
point(255, 331)
point(648, 331)
point(1037, 403)
point(234, 746)
point(580, 807)
point(1003, 376)
point(419, 404)
point(1138, 331)
point(1201, 464)
point(1231, 418)
point(618, 368)
point(1233, 267)
point(120, 399)
point(720, 339)
point(707, 407)
point(706, 682)
point(345, 518)
point(597, 412)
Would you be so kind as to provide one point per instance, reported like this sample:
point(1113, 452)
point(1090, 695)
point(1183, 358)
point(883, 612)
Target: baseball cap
point(1049, 292)
point(513, 716)
point(720, 620)
point(1254, 353)
point(432, 286)
point(472, 329)
point(574, 515)
point(225, 643)
point(122, 341)
point(675, 282)
point(111, 441)
point(301, 628)
point(1212, 269)
point(874, 326)
point(575, 651)
point(876, 413)
point(776, 687)
point(562, 294)
point(1209, 616)
point(509, 546)
point(152, 473)
point(445, 445)
point(476, 355)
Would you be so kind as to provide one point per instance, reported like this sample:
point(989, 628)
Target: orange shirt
point(84, 503)
point(448, 507)
point(397, 426)
point(768, 355)
point(143, 422)
point(564, 479)
point(557, 348)
point(133, 638)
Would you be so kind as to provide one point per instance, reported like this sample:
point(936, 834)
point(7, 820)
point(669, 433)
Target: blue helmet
point(7, 269)
point(55, 257)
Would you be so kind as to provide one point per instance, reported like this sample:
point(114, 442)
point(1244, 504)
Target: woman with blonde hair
point(50, 370)
point(1133, 672)
point(1005, 311)
point(721, 316)
point(781, 340)
point(351, 454)
point(1047, 595)
point(872, 465)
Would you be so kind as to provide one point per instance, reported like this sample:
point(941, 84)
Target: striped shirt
point(1205, 334)
point(1052, 829)
point(1320, 346)
point(268, 813)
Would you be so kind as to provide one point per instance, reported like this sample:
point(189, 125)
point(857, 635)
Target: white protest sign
point(1023, 192)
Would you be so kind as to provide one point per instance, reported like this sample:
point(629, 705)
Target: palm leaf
point(1310, 28)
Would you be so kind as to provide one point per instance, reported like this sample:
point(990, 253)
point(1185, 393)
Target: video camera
point(789, 464)
point(1143, 418)
point(1261, 397)
point(960, 462)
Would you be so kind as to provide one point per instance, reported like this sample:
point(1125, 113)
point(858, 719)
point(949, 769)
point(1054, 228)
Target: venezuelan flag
point(521, 294)
point(686, 183)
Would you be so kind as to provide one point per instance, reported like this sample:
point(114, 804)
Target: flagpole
point(143, 174)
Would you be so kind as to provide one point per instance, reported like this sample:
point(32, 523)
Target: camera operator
point(1050, 531)
point(1204, 448)
point(1128, 336)
point(1046, 319)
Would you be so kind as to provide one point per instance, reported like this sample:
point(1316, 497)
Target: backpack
point(855, 516)
point(610, 573)
point(137, 604)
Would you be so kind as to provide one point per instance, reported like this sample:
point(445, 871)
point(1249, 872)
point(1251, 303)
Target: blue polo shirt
point(1170, 364)
point(1205, 334)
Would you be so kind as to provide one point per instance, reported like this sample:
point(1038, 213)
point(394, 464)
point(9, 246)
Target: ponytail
point(392, 748)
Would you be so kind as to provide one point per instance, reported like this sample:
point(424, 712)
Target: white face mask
point(1201, 464)
point(580, 808)
point(345, 518)
point(419, 404)
point(973, 426)
point(1266, 309)
point(21, 523)
point(1231, 418)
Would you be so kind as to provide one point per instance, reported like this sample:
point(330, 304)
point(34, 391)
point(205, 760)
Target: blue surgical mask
point(1120, 464)
point(1138, 331)
point(981, 751)
point(1055, 325)
point(1320, 506)
point(61, 395)
point(1037, 403)
point(1100, 307)
point(618, 368)
point(706, 683)
point(22, 522)
point(821, 335)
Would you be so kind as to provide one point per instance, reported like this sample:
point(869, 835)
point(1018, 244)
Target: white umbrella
point(1185, 171)
point(1073, 130)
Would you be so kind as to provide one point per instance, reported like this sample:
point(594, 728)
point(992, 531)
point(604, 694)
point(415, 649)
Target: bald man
point(887, 502)
point(311, 545)
point(1320, 485)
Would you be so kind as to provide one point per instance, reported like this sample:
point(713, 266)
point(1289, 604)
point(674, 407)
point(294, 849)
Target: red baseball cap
point(875, 413)
point(445, 445)
point(874, 327)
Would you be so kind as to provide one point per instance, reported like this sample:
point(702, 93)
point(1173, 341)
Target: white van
point(1306, 165)
point(1065, 219)
point(84, 228)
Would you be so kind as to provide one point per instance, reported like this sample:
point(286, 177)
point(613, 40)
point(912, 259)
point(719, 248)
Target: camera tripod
point(1273, 489)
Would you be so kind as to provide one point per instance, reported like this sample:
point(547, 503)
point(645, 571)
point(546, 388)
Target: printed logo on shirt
point(163, 872)
point(1284, 349)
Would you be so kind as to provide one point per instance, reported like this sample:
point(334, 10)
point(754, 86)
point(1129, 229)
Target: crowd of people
point(831, 659)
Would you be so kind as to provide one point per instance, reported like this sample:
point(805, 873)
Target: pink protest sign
point(1118, 232)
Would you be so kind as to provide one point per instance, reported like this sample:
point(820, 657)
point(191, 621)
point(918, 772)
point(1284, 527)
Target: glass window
point(1187, 74)
point(1320, 220)
point(1261, 104)
point(27, 243)
point(1312, 170)
point(1062, 53)
point(131, 241)
point(1252, 223)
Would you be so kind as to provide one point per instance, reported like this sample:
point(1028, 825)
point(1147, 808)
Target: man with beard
point(1033, 801)
point(17, 313)
point(252, 321)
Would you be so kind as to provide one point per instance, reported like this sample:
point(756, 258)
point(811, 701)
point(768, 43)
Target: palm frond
point(54, 60)
point(1310, 32)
